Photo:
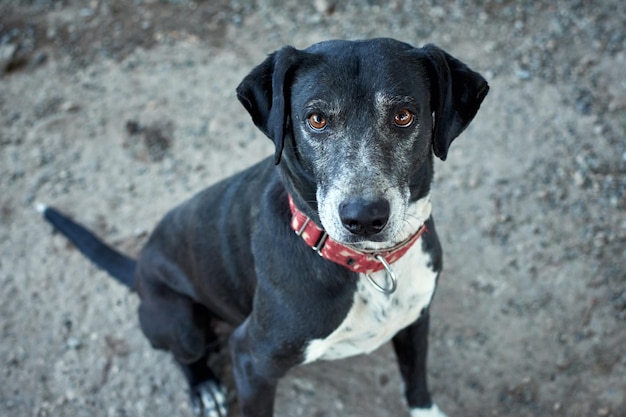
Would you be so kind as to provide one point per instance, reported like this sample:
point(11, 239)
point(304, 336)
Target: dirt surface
point(115, 111)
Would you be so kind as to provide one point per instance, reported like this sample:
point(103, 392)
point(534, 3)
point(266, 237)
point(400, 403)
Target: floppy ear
point(456, 95)
point(265, 95)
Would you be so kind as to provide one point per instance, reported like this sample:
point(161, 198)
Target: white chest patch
point(375, 317)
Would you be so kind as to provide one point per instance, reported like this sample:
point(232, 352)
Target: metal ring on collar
point(390, 274)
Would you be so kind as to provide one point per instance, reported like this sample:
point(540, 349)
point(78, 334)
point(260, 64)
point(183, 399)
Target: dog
point(324, 250)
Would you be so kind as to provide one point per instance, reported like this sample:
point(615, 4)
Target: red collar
point(364, 262)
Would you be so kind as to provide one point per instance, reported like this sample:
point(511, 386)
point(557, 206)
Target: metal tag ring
point(390, 274)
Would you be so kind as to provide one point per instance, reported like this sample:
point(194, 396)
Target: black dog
point(355, 125)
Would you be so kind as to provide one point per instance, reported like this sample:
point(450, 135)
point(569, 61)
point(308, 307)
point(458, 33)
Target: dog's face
point(360, 121)
point(363, 133)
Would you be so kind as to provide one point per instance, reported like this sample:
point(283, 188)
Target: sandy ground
point(116, 111)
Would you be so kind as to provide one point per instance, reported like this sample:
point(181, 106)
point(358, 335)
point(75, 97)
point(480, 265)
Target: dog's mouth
point(374, 244)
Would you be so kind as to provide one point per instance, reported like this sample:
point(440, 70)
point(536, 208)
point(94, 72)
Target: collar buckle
point(320, 243)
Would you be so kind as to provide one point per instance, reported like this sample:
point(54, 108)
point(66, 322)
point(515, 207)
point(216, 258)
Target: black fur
point(458, 92)
point(115, 263)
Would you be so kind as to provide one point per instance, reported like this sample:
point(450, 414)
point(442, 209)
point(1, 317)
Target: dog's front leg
point(411, 346)
point(256, 370)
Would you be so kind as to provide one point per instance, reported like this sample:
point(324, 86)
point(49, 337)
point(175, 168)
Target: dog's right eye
point(317, 121)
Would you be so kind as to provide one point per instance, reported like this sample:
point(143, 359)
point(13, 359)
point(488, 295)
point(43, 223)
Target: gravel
point(116, 111)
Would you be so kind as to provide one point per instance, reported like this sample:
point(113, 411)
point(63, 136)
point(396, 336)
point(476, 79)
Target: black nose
point(363, 217)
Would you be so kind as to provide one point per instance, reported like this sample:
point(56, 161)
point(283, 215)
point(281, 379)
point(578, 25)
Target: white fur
point(212, 400)
point(375, 317)
point(433, 411)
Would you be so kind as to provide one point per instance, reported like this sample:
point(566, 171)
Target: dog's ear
point(456, 95)
point(265, 95)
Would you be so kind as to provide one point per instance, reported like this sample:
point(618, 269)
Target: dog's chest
point(374, 317)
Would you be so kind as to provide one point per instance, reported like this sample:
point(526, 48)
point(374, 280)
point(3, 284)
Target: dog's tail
point(118, 265)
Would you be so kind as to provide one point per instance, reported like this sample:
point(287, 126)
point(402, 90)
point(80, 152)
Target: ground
point(116, 111)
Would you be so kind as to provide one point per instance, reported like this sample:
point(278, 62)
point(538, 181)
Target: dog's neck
point(365, 262)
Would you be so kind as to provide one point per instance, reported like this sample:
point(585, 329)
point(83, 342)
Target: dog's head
point(355, 125)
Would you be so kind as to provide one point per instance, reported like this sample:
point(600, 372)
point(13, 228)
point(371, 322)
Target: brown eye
point(403, 118)
point(317, 121)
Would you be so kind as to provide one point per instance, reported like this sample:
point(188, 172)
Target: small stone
point(523, 74)
point(437, 12)
point(69, 107)
point(7, 52)
point(320, 5)
point(73, 343)
point(579, 179)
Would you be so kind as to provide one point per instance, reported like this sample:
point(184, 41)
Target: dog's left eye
point(403, 118)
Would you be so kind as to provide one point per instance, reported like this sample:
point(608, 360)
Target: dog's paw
point(433, 411)
point(209, 399)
